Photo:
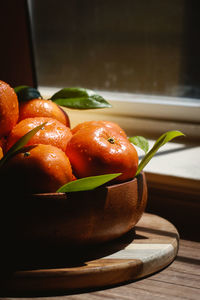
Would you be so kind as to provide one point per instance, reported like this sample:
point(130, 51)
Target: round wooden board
point(151, 246)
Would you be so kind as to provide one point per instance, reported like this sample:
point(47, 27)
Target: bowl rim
point(106, 186)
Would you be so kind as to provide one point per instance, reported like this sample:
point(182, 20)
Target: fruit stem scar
point(111, 140)
point(26, 154)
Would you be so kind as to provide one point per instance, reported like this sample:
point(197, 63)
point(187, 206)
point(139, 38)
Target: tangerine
point(1, 152)
point(9, 108)
point(3, 143)
point(37, 169)
point(43, 108)
point(106, 124)
point(53, 133)
point(101, 150)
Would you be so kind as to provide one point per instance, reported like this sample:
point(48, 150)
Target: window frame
point(144, 114)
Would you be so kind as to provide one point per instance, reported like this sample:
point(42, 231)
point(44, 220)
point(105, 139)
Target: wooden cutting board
point(148, 248)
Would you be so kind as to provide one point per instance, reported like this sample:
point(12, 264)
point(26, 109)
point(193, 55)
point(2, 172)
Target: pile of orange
point(57, 154)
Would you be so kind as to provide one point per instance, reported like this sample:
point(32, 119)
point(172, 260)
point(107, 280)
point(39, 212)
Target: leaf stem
point(162, 140)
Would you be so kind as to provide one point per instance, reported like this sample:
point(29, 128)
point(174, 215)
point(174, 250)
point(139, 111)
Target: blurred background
point(137, 46)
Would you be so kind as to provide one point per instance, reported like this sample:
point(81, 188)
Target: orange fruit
point(101, 150)
point(9, 108)
point(1, 152)
point(53, 133)
point(106, 124)
point(37, 169)
point(3, 143)
point(42, 108)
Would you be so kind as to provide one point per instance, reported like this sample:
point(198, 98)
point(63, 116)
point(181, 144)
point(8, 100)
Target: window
point(143, 55)
point(142, 47)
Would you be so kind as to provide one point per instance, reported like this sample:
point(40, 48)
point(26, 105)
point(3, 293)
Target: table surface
point(180, 280)
point(149, 247)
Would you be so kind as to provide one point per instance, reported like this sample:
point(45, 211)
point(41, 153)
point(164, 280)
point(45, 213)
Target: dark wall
point(16, 64)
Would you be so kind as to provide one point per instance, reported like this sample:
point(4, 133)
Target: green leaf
point(140, 142)
point(79, 98)
point(20, 143)
point(86, 183)
point(25, 93)
point(17, 89)
point(163, 139)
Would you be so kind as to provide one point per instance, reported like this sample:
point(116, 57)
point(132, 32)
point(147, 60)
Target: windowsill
point(175, 167)
point(143, 114)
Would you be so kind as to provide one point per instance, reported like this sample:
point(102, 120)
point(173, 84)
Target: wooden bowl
point(71, 220)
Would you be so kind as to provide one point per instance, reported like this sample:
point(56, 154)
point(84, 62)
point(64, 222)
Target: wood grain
point(151, 247)
point(181, 275)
